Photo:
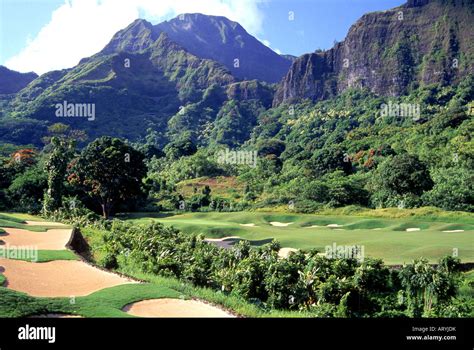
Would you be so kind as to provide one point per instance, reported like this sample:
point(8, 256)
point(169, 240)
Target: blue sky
point(32, 38)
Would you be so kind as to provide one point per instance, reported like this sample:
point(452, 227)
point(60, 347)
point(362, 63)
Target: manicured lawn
point(105, 303)
point(382, 237)
point(18, 221)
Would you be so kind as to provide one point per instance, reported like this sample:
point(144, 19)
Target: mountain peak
point(136, 37)
point(199, 19)
point(227, 42)
point(209, 37)
point(12, 81)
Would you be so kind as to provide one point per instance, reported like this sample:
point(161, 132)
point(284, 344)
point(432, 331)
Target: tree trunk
point(104, 211)
point(106, 208)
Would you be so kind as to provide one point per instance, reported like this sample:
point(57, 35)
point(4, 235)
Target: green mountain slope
point(12, 82)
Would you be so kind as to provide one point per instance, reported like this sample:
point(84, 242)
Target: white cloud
point(268, 44)
point(81, 28)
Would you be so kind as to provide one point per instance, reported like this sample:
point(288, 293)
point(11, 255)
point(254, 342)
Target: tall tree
point(56, 167)
point(109, 171)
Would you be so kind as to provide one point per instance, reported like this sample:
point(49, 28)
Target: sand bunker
point(248, 225)
point(221, 239)
point(57, 278)
point(44, 223)
point(226, 242)
point(285, 252)
point(55, 239)
point(413, 229)
point(334, 225)
point(174, 308)
point(453, 231)
point(280, 224)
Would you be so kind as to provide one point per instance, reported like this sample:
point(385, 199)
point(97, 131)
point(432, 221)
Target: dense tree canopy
point(109, 171)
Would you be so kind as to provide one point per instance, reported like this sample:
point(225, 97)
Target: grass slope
point(8, 222)
point(105, 303)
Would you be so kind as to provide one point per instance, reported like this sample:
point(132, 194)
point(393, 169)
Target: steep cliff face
point(251, 90)
point(389, 52)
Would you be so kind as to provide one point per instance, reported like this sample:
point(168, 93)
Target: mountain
point(389, 52)
point(141, 80)
point(212, 37)
point(145, 79)
point(11, 82)
point(131, 91)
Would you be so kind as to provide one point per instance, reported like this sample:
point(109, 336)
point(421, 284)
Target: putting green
point(396, 241)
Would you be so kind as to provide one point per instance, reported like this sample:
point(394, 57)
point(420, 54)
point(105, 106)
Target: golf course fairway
point(395, 240)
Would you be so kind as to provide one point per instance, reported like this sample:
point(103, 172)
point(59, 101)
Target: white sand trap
point(334, 225)
point(221, 239)
point(248, 225)
point(44, 223)
point(285, 252)
point(453, 231)
point(55, 239)
point(57, 278)
point(313, 226)
point(174, 308)
point(280, 224)
point(413, 229)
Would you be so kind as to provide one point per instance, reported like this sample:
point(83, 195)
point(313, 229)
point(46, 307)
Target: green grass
point(19, 217)
point(105, 303)
point(12, 224)
point(17, 220)
point(382, 237)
